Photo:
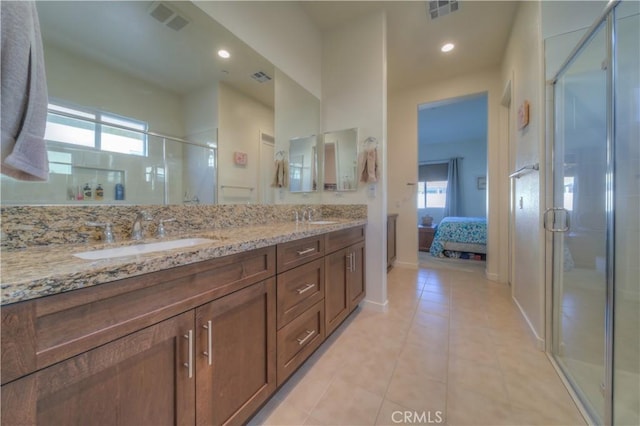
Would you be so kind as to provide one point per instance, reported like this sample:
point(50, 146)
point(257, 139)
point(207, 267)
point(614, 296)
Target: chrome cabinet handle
point(353, 261)
point(305, 288)
point(303, 340)
point(189, 363)
point(350, 265)
point(208, 353)
point(553, 210)
point(306, 251)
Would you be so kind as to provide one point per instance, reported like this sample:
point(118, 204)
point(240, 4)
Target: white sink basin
point(141, 248)
point(322, 222)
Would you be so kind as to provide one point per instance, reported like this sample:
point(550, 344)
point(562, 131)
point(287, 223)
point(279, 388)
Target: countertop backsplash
point(32, 226)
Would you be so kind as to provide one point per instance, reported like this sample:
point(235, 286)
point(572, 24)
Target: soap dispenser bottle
point(88, 194)
point(99, 192)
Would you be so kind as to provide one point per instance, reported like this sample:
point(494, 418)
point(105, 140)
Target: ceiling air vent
point(167, 15)
point(260, 77)
point(438, 8)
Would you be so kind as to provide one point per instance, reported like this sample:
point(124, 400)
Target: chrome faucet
point(137, 231)
point(160, 231)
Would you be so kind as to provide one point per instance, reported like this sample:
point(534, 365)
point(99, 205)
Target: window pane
point(436, 194)
point(70, 130)
point(124, 141)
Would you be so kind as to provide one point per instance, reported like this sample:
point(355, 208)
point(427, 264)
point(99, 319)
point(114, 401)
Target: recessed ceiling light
point(224, 54)
point(447, 47)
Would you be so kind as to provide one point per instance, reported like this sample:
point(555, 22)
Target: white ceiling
point(480, 30)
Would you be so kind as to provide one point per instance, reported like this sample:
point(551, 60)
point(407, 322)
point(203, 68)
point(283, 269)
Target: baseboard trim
point(375, 306)
point(540, 343)
point(409, 265)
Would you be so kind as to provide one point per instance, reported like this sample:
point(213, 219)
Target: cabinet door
point(356, 276)
point(336, 295)
point(235, 354)
point(140, 379)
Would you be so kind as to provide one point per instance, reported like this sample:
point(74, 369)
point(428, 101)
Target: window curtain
point(452, 203)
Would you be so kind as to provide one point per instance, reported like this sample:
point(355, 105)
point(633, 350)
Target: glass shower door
point(579, 222)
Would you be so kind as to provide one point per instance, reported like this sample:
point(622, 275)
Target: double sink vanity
point(198, 328)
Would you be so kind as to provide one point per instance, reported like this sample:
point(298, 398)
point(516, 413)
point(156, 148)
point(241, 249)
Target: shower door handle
point(553, 211)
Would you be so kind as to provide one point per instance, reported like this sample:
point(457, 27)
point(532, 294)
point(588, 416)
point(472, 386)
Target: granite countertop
point(41, 271)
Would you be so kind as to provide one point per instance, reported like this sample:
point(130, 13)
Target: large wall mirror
point(341, 160)
point(143, 110)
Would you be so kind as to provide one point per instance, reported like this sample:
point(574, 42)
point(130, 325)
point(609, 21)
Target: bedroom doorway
point(452, 180)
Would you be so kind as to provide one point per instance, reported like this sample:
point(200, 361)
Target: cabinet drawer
point(343, 238)
point(299, 339)
point(298, 289)
point(40, 332)
point(298, 252)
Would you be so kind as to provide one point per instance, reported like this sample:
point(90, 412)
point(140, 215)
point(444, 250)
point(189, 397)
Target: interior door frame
point(264, 186)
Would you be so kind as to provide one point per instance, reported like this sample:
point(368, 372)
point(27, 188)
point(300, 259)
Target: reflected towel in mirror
point(369, 172)
point(281, 178)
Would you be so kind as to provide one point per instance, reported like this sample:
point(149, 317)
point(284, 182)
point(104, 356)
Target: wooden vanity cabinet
point(235, 355)
point(135, 380)
point(345, 284)
point(200, 344)
point(148, 360)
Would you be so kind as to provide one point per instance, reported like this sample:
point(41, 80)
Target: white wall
point(523, 64)
point(473, 165)
point(354, 94)
point(280, 31)
point(241, 119)
point(403, 145)
point(84, 82)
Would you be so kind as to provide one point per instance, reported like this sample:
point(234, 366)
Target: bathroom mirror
point(341, 160)
point(160, 112)
point(303, 164)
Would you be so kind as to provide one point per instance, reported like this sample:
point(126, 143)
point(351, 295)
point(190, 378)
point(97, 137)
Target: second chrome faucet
point(137, 230)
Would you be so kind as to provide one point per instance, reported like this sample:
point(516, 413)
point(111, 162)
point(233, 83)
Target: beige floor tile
point(428, 336)
point(475, 347)
point(429, 361)
point(451, 342)
point(346, 404)
point(433, 308)
point(304, 393)
point(277, 412)
point(477, 377)
point(415, 391)
point(543, 417)
point(465, 407)
point(535, 391)
point(392, 414)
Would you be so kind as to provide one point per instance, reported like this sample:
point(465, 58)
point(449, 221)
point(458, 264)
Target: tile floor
point(452, 349)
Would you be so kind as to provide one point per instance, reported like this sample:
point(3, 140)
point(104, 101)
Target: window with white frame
point(96, 129)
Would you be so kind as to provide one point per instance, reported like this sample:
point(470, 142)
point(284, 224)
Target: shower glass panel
point(580, 167)
point(626, 365)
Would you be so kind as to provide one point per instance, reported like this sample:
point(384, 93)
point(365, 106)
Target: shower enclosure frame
point(608, 18)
